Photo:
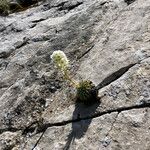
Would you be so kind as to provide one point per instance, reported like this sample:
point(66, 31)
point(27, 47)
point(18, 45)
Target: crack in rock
point(129, 1)
point(38, 140)
point(11, 129)
point(44, 127)
point(114, 76)
point(38, 20)
point(69, 7)
point(88, 50)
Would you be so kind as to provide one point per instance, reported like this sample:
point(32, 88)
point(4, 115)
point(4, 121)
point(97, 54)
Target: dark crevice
point(114, 76)
point(88, 50)
point(129, 1)
point(26, 3)
point(38, 20)
point(70, 7)
point(44, 127)
point(144, 104)
point(11, 129)
point(38, 140)
point(103, 3)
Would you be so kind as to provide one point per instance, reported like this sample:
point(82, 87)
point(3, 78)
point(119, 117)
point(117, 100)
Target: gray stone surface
point(107, 42)
point(126, 130)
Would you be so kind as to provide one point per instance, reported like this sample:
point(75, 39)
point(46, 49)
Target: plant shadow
point(79, 128)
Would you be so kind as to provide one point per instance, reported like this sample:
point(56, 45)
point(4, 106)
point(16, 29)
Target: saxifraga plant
point(86, 92)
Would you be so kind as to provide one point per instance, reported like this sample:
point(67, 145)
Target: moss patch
point(86, 93)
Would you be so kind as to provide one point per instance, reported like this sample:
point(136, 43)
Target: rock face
point(107, 42)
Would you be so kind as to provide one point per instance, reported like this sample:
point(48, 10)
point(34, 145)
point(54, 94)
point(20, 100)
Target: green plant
point(4, 7)
point(86, 92)
point(85, 89)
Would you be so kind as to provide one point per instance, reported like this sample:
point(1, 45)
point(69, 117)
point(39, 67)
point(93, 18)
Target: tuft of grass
point(4, 7)
point(86, 92)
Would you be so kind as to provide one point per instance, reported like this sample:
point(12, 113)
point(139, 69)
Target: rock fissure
point(88, 50)
point(38, 20)
point(129, 1)
point(44, 127)
point(70, 7)
point(38, 140)
point(11, 129)
point(114, 76)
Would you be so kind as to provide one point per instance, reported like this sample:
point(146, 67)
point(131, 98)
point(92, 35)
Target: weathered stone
point(77, 135)
point(107, 42)
point(8, 140)
point(131, 130)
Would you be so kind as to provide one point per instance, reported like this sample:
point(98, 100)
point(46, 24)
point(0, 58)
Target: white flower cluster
point(60, 60)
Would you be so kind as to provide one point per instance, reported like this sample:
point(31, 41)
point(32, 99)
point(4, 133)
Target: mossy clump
point(4, 7)
point(86, 92)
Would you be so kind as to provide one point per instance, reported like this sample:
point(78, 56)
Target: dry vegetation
point(4, 7)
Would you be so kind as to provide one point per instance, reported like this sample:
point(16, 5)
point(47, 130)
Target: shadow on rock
point(79, 128)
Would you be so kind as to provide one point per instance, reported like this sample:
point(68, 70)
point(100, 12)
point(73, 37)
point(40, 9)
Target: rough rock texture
point(107, 42)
